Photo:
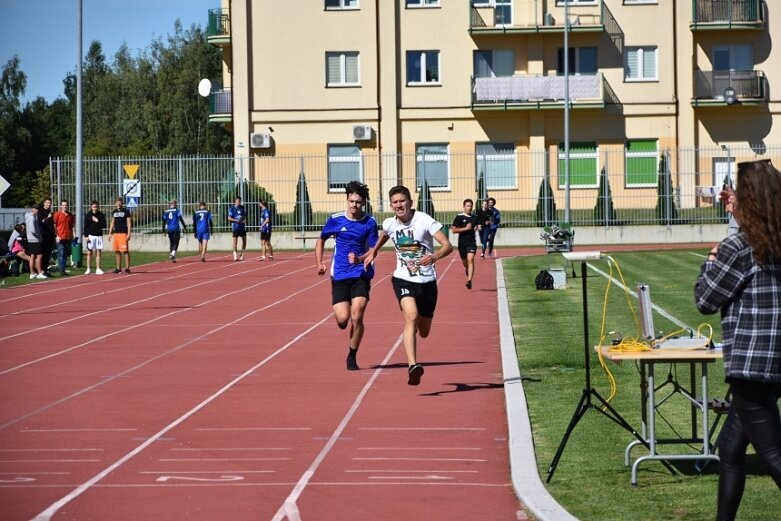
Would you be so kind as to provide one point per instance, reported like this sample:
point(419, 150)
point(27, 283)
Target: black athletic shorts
point(425, 294)
point(265, 236)
point(464, 249)
point(347, 289)
point(34, 248)
point(240, 233)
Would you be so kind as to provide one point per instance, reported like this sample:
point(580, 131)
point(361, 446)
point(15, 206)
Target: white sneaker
point(98, 271)
point(87, 272)
point(32, 276)
point(41, 276)
point(241, 257)
point(235, 256)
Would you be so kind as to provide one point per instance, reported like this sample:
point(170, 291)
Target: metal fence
point(609, 185)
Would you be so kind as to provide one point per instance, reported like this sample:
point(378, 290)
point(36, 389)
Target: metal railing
point(219, 23)
point(526, 87)
point(221, 102)
point(727, 11)
point(534, 15)
point(609, 185)
point(712, 84)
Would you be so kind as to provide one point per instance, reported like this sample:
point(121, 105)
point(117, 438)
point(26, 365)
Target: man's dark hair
point(94, 202)
point(400, 189)
point(491, 200)
point(356, 187)
point(468, 201)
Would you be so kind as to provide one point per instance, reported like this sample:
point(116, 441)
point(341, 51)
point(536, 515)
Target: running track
point(218, 391)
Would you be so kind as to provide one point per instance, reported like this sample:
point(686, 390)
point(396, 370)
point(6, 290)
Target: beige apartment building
point(421, 82)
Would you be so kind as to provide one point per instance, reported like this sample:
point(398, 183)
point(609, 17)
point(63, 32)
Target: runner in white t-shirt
point(415, 278)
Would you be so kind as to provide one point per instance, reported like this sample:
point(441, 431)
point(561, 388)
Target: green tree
point(545, 213)
point(604, 213)
point(302, 213)
point(666, 211)
point(425, 203)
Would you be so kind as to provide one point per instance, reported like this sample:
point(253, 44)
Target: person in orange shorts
point(119, 234)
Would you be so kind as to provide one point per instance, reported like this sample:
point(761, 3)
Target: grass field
point(591, 480)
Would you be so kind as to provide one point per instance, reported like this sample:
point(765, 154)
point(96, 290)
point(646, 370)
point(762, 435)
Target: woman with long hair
point(741, 278)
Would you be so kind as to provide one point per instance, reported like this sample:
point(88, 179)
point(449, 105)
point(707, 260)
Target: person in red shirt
point(64, 224)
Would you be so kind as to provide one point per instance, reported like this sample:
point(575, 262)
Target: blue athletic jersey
point(171, 218)
point(238, 212)
point(202, 220)
point(265, 214)
point(350, 236)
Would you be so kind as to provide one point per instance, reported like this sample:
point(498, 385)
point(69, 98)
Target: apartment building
point(420, 82)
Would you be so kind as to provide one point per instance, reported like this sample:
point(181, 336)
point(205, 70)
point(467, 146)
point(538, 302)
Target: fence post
point(181, 183)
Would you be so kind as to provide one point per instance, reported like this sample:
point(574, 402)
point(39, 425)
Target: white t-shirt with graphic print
point(413, 240)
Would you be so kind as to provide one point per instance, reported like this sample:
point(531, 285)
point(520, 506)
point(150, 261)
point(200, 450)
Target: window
point(640, 64)
point(432, 163)
point(582, 60)
point(345, 164)
point(341, 4)
point(341, 69)
point(738, 57)
point(503, 10)
point(490, 64)
point(422, 3)
point(582, 165)
point(496, 161)
point(642, 162)
point(422, 67)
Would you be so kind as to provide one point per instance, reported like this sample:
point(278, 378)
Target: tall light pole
point(79, 138)
point(566, 113)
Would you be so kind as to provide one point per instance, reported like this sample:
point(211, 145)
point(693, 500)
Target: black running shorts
point(347, 289)
point(425, 294)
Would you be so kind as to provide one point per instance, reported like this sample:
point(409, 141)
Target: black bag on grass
point(543, 280)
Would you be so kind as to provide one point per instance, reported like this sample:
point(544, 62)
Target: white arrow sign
point(4, 185)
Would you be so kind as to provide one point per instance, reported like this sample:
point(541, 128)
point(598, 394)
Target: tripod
point(590, 395)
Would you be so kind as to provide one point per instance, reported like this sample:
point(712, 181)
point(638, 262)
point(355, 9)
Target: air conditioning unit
point(362, 132)
point(259, 140)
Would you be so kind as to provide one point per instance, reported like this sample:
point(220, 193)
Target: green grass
point(591, 480)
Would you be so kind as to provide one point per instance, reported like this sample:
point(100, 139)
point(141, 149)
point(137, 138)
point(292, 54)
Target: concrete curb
point(523, 462)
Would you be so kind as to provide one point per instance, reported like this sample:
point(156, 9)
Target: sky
point(43, 33)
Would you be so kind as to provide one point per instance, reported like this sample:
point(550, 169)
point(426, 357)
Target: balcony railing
point(709, 86)
point(727, 14)
point(537, 91)
point(218, 30)
point(220, 106)
point(534, 16)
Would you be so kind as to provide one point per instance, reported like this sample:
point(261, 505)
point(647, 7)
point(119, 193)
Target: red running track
point(218, 390)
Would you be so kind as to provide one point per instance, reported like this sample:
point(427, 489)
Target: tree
point(302, 213)
point(666, 211)
point(482, 191)
point(604, 213)
point(545, 212)
point(425, 203)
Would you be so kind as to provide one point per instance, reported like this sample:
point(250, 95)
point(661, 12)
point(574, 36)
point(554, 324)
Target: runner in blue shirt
point(496, 218)
point(354, 234)
point(237, 216)
point(202, 222)
point(265, 231)
point(172, 219)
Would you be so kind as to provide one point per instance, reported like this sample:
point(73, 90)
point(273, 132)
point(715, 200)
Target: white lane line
point(35, 473)
point(427, 478)
point(659, 310)
point(391, 471)
point(153, 359)
point(51, 450)
point(419, 448)
point(52, 509)
point(223, 459)
point(421, 429)
point(207, 471)
point(24, 431)
point(135, 326)
point(289, 508)
point(254, 429)
point(474, 460)
point(230, 448)
point(49, 460)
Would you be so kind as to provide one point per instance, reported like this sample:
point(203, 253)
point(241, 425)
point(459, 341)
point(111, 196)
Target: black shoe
point(127, 270)
point(116, 270)
point(415, 372)
point(64, 274)
point(469, 284)
point(352, 365)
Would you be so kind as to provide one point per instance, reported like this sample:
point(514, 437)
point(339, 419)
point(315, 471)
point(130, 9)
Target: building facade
point(445, 92)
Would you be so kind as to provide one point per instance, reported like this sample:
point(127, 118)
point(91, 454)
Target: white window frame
point(637, 155)
point(485, 159)
point(444, 156)
point(343, 6)
point(422, 82)
point(336, 187)
point(421, 4)
point(641, 51)
point(561, 156)
point(342, 80)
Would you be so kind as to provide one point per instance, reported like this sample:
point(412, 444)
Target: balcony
point(711, 15)
point(218, 31)
point(531, 92)
point(221, 106)
point(709, 86)
point(535, 16)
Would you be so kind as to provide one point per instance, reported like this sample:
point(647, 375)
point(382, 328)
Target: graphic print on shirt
point(410, 252)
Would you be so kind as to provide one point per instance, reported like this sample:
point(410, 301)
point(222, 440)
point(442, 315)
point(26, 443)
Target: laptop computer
point(649, 333)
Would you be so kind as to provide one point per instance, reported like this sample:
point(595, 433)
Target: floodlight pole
point(79, 203)
point(566, 113)
point(589, 392)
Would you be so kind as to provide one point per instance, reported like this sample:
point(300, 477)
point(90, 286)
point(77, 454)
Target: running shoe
point(98, 271)
point(241, 255)
point(262, 258)
point(127, 270)
point(116, 270)
point(87, 272)
point(352, 365)
point(42, 276)
point(203, 259)
point(235, 256)
point(415, 372)
point(469, 284)
point(482, 256)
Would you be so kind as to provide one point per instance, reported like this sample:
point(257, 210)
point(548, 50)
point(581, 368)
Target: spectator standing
point(119, 234)
point(266, 250)
point(173, 224)
point(496, 219)
point(64, 226)
point(237, 216)
point(202, 222)
point(48, 233)
point(94, 224)
point(34, 242)
point(484, 226)
point(741, 278)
